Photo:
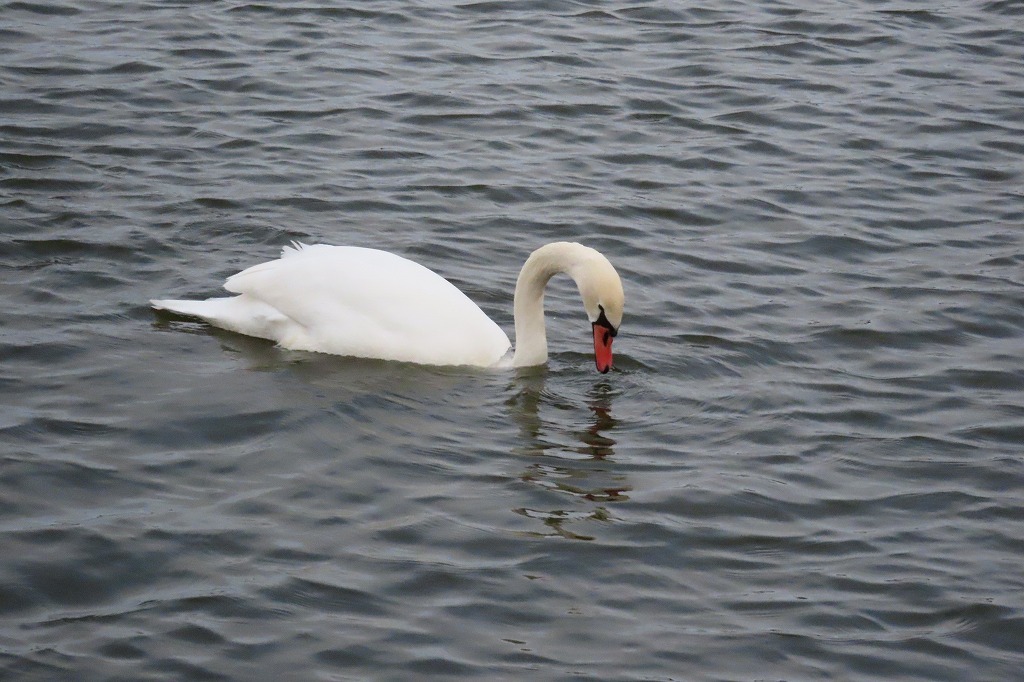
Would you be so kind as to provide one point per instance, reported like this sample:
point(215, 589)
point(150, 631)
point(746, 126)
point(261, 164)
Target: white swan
point(348, 300)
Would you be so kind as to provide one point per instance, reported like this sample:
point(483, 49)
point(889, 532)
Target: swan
point(349, 300)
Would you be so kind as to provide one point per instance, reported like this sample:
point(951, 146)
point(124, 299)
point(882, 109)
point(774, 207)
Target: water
point(806, 465)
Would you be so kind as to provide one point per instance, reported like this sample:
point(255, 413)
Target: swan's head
point(600, 288)
point(603, 300)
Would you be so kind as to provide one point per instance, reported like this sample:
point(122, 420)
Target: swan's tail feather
point(209, 309)
point(241, 314)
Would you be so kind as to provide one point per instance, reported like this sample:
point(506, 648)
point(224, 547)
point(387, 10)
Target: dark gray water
point(808, 463)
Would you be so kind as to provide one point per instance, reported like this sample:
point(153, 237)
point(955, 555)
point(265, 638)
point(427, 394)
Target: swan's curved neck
point(528, 305)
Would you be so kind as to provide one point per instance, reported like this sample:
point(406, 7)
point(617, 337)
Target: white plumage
point(348, 300)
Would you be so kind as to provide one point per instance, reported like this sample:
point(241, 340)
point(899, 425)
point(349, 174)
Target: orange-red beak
point(603, 337)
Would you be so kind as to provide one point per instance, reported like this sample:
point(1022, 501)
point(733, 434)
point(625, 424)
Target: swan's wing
point(370, 303)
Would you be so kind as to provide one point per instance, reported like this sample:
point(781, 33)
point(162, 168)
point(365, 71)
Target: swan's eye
point(602, 320)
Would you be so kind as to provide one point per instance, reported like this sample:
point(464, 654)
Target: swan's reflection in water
point(564, 458)
point(566, 432)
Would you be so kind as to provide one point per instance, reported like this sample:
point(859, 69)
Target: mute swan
point(354, 301)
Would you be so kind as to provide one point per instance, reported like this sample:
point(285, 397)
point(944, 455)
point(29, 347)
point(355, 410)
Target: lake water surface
point(808, 463)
